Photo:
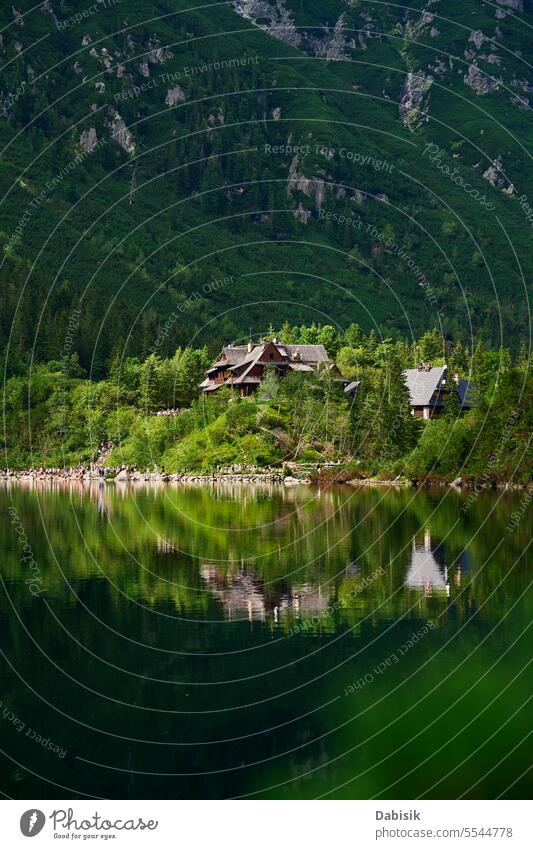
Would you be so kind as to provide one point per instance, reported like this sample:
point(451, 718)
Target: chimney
point(250, 346)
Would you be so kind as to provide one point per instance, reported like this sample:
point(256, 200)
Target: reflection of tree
point(179, 553)
point(151, 541)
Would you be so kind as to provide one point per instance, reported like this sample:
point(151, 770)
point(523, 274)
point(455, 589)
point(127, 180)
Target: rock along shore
point(123, 476)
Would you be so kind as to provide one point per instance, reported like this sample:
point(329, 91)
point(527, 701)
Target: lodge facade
point(242, 367)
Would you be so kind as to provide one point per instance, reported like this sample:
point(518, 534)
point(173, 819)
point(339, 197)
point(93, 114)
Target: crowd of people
point(92, 471)
point(99, 472)
point(41, 473)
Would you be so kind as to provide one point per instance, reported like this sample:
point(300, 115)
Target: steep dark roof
point(234, 354)
point(237, 381)
point(237, 354)
point(464, 390)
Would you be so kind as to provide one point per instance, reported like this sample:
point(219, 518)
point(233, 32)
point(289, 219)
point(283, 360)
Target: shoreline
point(267, 478)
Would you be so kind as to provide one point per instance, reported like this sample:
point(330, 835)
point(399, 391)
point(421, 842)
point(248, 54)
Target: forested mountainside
point(182, 175)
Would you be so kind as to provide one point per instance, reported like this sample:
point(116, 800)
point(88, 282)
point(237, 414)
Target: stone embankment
point(121, 476)
point(126, 476)
point(135, 477)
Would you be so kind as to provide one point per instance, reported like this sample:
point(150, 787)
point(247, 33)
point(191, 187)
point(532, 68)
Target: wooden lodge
point(242, 367)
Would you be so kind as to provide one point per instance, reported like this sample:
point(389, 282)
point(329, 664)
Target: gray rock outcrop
point(414, 92)
point(481, 82)
point(272, 18)
point(88, 140)
point(119, 132)
point(175, 95)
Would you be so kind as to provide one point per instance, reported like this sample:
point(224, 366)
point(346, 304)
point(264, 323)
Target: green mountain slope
point(245, 163)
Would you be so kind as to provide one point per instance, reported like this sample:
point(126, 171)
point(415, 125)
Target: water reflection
point(427, 569)
point(224, 624)
point(242, 595)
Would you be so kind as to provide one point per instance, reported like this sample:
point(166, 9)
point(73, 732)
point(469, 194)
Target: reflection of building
point(242, 595)
point(166, 546)
point(462, 567)
point(427, 570)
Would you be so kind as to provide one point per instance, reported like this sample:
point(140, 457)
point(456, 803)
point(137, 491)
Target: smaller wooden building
point(429, 388)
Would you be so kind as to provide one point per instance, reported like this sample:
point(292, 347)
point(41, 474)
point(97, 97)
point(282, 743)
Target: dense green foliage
point(55, 416)
point(198, 197)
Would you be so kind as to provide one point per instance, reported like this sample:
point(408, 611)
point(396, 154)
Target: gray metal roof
point(352, 387)
point(300, 367)
point(309, 353)
point(422, 384)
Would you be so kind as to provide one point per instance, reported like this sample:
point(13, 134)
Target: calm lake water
point(171, 642)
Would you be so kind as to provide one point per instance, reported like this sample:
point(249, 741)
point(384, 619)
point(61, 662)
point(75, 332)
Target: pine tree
point(386, 416)
point(372, 341)
point(286, 334)
point(329, 338)
point(353, 336)
point(432, 346)
point(458, 360)
point(523, 356)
